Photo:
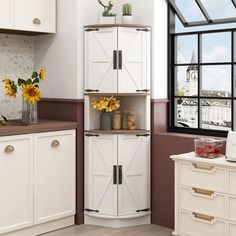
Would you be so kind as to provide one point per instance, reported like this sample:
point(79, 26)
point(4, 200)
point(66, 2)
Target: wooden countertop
point(17, 128)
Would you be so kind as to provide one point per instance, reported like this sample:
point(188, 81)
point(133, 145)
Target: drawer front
point(232, 229)
point(232, 208)
point(204, 176)
point(203, 201)
point(194, 224)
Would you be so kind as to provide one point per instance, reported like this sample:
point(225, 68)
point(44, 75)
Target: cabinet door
point(133, 161)
point(16, 183)
point(6, 14)
point(54, 175)
point(100, 71)
point(134, 60)
point(35, 15)
point(100, 190)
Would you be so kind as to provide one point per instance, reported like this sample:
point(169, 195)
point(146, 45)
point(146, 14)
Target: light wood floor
point(86, 230)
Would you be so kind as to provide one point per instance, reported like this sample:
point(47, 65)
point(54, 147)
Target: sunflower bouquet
point(106, 104)
point(30, 87)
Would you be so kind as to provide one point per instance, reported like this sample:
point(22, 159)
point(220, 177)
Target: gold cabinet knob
point(55, 143)
point(37, 21)
point(9, 149)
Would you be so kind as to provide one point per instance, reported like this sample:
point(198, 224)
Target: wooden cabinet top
point(116, 25)
point(17, 128)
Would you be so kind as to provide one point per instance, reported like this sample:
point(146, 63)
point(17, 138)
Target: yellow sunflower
point(10, 88)
point(42, 73)
point(31, 93)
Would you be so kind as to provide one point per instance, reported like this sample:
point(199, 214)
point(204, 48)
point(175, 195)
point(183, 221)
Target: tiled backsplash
point(16, 61)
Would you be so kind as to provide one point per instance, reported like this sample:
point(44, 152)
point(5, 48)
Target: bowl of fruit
point(208, 147)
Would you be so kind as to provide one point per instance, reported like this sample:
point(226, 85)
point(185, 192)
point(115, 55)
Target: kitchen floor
point(87, 230)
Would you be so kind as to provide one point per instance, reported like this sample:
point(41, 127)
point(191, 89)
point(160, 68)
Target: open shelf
point(139, 105)
point(137, 131)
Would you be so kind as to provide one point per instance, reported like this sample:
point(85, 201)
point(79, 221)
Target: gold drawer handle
point(201, 166)
point(203, 217)
point(55, 143)
point(203, 192)
point(9, 149)
point(37, 21)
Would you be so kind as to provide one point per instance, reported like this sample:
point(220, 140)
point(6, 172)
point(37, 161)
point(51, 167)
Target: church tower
point(191, 88)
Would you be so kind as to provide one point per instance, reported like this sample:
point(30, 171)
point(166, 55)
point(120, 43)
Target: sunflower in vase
point(106, 105)
point(31, 93)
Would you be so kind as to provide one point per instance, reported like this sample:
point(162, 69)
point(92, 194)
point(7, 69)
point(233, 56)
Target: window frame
point(172, 45)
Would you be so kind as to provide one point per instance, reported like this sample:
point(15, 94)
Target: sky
point(215, 47)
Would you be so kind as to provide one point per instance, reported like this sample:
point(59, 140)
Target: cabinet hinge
point(92, 135)
point(89, 30)
point(143, 210)
point(91, 210)
point(143, 135)
point(145, 30)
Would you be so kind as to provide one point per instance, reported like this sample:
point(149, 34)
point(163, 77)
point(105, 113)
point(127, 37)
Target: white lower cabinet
point(16, 183)
point(37, 181)
point(117, 175)
point(205, 200)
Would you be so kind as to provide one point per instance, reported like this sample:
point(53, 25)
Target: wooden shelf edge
point(117, 25)
point(119, 94)
point(138, 131)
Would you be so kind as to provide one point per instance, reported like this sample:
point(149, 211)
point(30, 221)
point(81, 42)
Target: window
point(202, 70)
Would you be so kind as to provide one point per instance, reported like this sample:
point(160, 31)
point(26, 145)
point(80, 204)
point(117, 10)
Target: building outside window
point(202, 66)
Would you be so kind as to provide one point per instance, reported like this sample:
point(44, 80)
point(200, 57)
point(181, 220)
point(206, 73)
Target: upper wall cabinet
point(6, 14)
point(35, 15)
point(117, 59)
point(28, 15)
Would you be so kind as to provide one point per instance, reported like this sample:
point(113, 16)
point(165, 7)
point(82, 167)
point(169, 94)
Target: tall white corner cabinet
point(28, 15)
point(117, 163)
point(37, 179)
point(205, 196)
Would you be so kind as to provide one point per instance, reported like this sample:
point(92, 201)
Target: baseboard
point(162, 220)
point(44, 228)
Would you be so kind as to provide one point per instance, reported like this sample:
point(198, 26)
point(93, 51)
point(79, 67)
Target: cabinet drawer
point(203, 201)
point(232, 229)
point(232, 182)
point(204, 176)
point(232, 208)
point(194, 224)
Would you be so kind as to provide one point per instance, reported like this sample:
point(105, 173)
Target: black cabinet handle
point(115, 175)
point(92, 135)
point(143, 90)
point(142, 135)
point(143, 210)
point(89, 30)
point(120, 175)
point(115, 60)
point(91, 90)
point(120, 59)
point(90, 210)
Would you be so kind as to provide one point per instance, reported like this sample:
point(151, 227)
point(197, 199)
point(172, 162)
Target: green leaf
point(36, 81)
point(21, 81)
point(34, 74)
point(29, 81)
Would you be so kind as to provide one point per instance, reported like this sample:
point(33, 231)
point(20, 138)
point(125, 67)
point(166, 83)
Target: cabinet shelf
point(118, 94)
point(137, 131)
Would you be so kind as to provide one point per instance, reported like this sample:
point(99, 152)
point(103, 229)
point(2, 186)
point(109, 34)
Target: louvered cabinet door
point(100, 161)
point(134, 181)
point(134, 60)
point(100, 60)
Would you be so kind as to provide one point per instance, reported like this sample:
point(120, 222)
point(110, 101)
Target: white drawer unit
point(205, 196)
point(37, 182)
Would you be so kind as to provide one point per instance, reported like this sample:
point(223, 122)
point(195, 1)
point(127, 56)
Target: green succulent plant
point(107, 8)
point(127, 9)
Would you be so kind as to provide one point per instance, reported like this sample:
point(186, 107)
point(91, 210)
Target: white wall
point(62, 54)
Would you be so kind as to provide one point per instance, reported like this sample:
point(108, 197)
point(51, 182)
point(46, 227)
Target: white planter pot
point(107, 20)
point(127, 20)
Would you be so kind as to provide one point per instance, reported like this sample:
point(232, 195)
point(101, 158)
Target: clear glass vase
point(29, 113)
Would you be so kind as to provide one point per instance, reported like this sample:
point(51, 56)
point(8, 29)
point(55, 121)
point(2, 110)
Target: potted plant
point(31, 94)
point(127, 17)
point(106, 105)
point(107, 16)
